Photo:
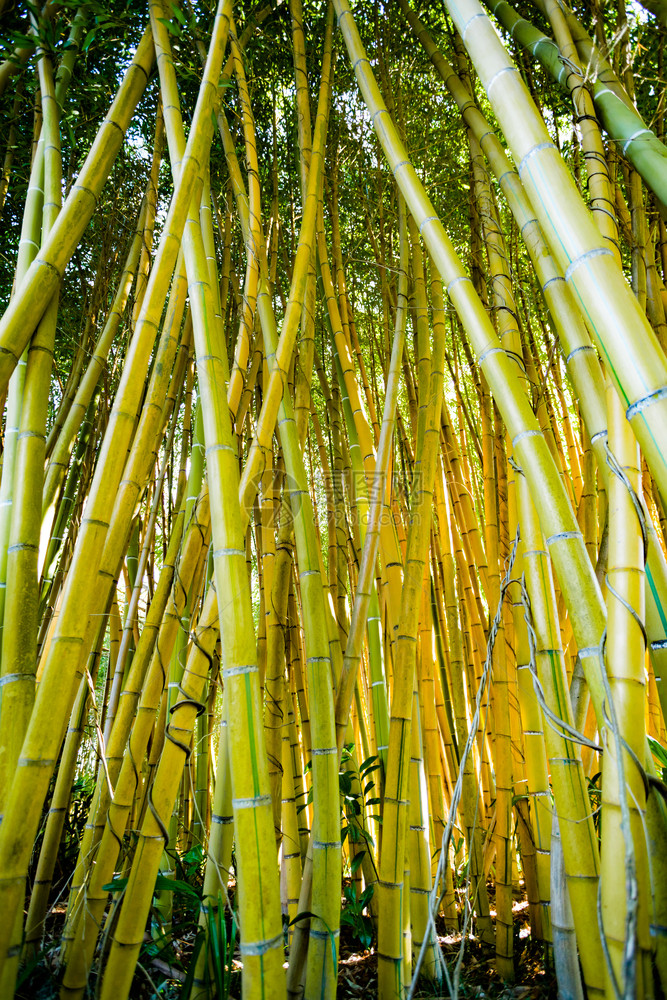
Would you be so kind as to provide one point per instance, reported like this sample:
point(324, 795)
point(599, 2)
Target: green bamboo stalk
point(307, 337)
point(597, 167)
point(325, 838)
point(582, 365)
point(505, 315)
point(618, 116)
point(218, 863)
point(625, 911)
point(20, 621)
point(19, 648)
point(619, 327)
point(29, 242)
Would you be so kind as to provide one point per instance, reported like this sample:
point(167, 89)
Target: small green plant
point(218, 968)
point(659, 755)
point(162, 884)
point(354, 806)
point(353, 915)
point(352, 825)
point(192, 865)
point(460, 864)
point(595, 797)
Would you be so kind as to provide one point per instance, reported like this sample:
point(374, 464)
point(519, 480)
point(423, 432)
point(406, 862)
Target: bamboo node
point(561, 536)
point(258, 948)
point(249, 668)
point(251, 803)
point(11, 678)
point(531, 152)
point(645, 401)
point(595, 252)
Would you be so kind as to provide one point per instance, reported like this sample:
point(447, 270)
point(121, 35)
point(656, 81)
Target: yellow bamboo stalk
point(58, 809)
point(219, 858)
point(418, 848)
point(578, 835)
point(142, 694)
point(131, 922)
point(625, 916)
point(45, 274)
point(469, 806)
point(390, 553)
point(325, 840)
point(252, 806)
point(61, 672)
point(362, 597)
point(67, 432)
point(432, 748)
point(279, 360)
point(537, 778)
point(29, 243)
point(276, 623)
point(19, 648)
point(392, 894)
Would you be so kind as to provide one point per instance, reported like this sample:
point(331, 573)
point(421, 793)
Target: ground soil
point(161, 977)
point(479, 979)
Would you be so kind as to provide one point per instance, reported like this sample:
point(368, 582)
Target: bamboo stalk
point(44, 275)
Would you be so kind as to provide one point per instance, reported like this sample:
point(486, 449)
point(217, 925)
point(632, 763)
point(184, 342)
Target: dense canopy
point(333, 537)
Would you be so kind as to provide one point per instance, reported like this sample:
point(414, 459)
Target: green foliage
point(307, 915)
point(166, 944)
point(220, 934)
point(353, 915)
point(193, 864)
point(595, 796)
point(660, 756)
point(355, 807)
point(162, 884)
point(353, 822)
point(460, 863)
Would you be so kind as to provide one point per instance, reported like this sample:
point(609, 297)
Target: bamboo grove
point(333, 497)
